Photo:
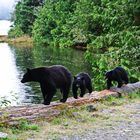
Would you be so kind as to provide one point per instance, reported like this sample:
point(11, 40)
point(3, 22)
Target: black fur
point(82, 81)
point(50, 78)
point(118, 74)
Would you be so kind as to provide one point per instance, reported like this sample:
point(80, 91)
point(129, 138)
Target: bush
point(15, 32)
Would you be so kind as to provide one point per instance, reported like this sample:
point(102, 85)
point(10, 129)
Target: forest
point(107, 31)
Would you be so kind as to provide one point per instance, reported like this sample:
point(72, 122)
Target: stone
point(75, 114)
point(3, 135)
point(91, 108)
point(113, 103)
point(95, 115)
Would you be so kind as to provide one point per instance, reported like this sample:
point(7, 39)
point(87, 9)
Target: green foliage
point(134, 95)
point(51, 25)
point(119, 42)
point(15, 32)
point(66, 23)
point(5, 139)
point(56, 121)
point(23, 17)
point(117, 101)
point(24, 125)
point(109, 29)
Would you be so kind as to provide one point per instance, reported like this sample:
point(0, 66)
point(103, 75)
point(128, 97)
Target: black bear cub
point(118, 74)
point(82, 81)
point(50, 78)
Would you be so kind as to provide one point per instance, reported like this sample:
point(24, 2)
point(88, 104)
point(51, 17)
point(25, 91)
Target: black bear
point(118, 74)
point(82, 81)
point(50, 78)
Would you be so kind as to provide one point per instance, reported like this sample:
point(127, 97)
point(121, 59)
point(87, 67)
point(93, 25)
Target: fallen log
point(34, 112)
point(127, 89)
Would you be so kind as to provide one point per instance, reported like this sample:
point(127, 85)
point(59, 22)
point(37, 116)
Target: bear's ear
point(28, 70)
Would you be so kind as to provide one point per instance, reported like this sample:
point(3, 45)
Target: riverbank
point(3, 38)
point(110, 118)
point(19, 40)
point(28, 40)
point(73, 119)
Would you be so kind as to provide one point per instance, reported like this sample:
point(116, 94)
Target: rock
point(75, 114)
point(95, 115)
point(3, 135)
point(91, 108)
point(127, 89)
point(66, 124)
point(106, 111)
point(113, 103)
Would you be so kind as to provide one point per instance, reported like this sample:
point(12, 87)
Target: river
point(14, 59)
point(4, 26)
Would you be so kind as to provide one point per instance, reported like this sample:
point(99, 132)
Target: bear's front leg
point(109, 84)
point(49, 97)
point(43, 90)
point(65, 92)
point(89, 87)
point(83, 90)
point(74, 90)
point(120, 84)
point(48, 92)
point(126, 80)
point(119, 80)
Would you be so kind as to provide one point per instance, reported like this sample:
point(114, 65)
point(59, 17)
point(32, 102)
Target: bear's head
point(78, 81)
point(108, 75)
point(27, 77)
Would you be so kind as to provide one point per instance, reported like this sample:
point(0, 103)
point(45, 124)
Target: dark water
point(15, 59)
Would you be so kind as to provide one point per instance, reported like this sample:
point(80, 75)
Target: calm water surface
point(4, 26)
point(15, 59)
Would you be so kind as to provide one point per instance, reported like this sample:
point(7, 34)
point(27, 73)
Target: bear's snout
point(22, 81)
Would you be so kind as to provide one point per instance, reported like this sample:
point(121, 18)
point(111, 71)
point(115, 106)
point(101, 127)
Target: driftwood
point(129, 88)
point(34, 112)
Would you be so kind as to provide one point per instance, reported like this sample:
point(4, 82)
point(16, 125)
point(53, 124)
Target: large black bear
point(50, 78)
point(82, 81)
point(118, 74)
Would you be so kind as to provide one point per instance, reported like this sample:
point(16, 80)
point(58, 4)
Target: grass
point(19, 40)
point(76, 120)
point(133, 96)
point(118, 101)
point(3, 38)
point(24, 125)
point(22, 128)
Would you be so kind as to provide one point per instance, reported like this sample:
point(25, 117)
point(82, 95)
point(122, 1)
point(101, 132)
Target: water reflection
point(4, 27)
point(10, 86)
point(15, 59)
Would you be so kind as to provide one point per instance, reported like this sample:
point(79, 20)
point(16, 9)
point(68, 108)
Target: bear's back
point(59, 75)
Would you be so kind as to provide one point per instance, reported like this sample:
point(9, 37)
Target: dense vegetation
point(108, 29)
point(24, 16)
